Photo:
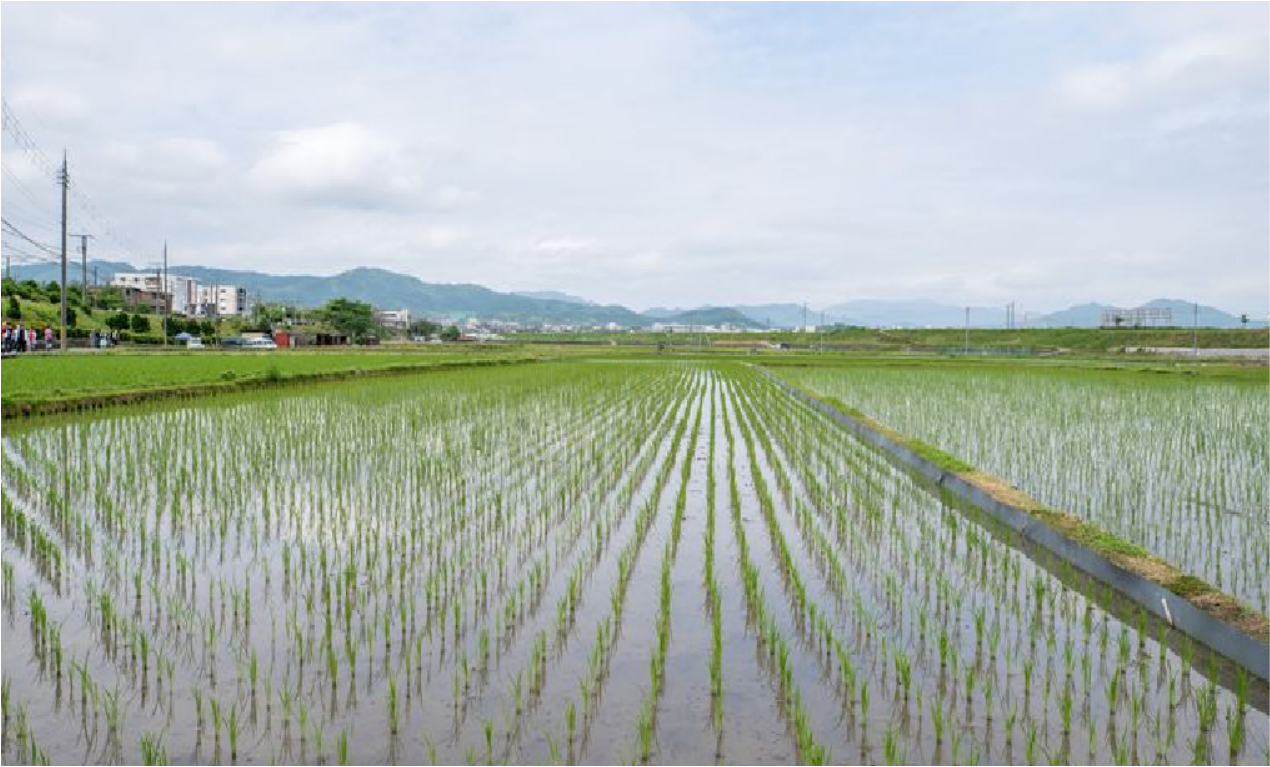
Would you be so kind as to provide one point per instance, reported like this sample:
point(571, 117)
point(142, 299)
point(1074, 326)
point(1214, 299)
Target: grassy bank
point(43, 378)
point(1083, 340)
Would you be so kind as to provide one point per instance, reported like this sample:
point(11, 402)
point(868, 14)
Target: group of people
point(24, 338)
point(99, 339)
point(20, 338)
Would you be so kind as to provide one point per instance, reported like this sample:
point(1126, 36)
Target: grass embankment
point(939, 340)
point(1226, 370)
point(41, 382)
point(1129, 556)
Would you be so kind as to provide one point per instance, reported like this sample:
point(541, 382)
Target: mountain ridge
point(386, 289)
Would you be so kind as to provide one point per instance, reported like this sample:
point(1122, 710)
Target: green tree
point(354, 319)
point(71, 317)
point(140, 323)
point(120, 321)
point(451, 333)
point(14, 312)
point(424, 328)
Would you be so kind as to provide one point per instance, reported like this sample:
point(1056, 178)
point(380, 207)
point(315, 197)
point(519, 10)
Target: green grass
point(45, 378)
point(939, 340)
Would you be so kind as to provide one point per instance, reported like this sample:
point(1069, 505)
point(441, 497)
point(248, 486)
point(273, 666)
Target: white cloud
point(667, 154)
point(346, 163)
point(1181, 67)
point(565, 244)
point(52, 107)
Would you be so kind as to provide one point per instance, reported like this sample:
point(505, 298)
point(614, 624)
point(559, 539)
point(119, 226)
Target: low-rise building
point(394, 319)
point(222, 300)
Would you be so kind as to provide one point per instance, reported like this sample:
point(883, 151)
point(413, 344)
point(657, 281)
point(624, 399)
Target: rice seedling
point(483, 531)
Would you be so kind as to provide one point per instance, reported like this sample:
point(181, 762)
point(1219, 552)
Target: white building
point(187, 295)
point(222, 300)
point(397, 319)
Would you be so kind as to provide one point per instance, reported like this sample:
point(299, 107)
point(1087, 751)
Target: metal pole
point(967, 350)
point(65, 179)
point(83, 264)
point(1195, 333)
point(167, 308)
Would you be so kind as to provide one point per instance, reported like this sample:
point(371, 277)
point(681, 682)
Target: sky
point(662, 154)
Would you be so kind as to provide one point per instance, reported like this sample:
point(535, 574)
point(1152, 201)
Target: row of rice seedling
point(1180, 467)
point(456, 568)
point(313, 561)
point(1081, 669)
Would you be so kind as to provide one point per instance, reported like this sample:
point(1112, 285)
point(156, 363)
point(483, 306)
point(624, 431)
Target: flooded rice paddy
point(1177, 466)
point(660, 563)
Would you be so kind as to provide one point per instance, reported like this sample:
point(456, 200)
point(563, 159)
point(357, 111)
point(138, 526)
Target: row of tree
point(354, 319)
point(357, 320)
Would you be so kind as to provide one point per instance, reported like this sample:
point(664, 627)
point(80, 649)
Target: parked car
point(259, 343)
point(194, 343)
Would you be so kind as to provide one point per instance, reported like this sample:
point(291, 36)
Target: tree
point(451, 333)
point(354, 319)
point(71, 317)
point(140, 323)
point(423, 328)
point(120, 321)
point(14, 312)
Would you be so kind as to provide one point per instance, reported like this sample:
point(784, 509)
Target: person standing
point(48, 338)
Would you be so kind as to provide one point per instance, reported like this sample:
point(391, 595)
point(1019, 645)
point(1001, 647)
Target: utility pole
point(967, 351)
point(1195, 333)
point(167, 308)
point(65, 180)
point(83, 265)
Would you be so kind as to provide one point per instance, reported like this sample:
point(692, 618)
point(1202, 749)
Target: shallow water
point(453, 541)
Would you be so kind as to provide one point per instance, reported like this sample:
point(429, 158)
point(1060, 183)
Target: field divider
point(1215, 619)
point(13, 410)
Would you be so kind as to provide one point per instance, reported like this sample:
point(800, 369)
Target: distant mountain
point(914, 313)
point(384, 290)
point(391, 290)
point(47, 272)
point(552, 295)
point(715, 315)
point(787, 315)
point(1183, 315)
point(1079, 316)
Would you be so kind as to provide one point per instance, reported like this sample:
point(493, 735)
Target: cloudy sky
point(662, 154)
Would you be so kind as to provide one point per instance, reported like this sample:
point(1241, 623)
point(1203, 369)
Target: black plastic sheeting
point(1211, 631)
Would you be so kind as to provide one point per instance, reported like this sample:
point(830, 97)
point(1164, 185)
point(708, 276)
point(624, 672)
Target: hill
point(1184, 315)
point(391, 290)
point(714, 315)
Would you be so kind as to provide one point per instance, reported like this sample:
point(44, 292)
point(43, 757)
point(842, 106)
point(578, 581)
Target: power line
point(21, 187)
point(24, 139)
point(11, 229)
point(22, 136)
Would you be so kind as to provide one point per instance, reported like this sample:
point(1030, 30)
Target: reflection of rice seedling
point(392, 706)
